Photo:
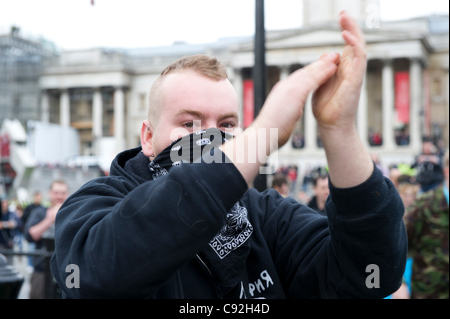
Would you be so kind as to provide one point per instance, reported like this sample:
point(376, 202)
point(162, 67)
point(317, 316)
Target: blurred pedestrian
point(394, 174)
point(429, 166)
point(383, 168)
point(37, 200)
point(281, 185)
point(408, 192)
point(9, 225)
point(427, 223)
point(41, 220)
point(321, 192)
point(292, 178)
point(298, 140)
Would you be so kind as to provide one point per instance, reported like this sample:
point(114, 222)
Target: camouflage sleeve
point(413, 225)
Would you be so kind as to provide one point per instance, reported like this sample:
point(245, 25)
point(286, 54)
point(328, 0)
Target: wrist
point(348, 159)
point(338, 131)
point(339, 137)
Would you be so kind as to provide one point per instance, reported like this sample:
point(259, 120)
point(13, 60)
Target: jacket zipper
point(207, 268)
point(204, 265)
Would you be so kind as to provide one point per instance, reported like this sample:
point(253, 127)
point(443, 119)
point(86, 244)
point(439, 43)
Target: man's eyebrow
point(190, 112)
point(201, 115)
point(228, 115)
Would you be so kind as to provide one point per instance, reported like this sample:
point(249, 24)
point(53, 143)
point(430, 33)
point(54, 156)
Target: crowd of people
point(32, 223)
point(163, 229)
point(375, 139)
point(423, 188)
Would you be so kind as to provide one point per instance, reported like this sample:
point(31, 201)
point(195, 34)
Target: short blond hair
point(202, 64)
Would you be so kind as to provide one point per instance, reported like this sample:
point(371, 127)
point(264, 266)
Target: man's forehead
point(59, 187)
point(185, 92)
point(190, 79)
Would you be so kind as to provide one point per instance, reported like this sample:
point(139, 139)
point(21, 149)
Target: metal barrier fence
point(52, 290)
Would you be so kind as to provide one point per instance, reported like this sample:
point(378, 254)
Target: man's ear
point(147, 139)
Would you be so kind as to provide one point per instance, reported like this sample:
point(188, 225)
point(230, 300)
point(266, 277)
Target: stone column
point(310, 127)
point(363, 113)
point(97, 118)
point(64, 108)
point(284, 72)
point(388, 104)
point(119, 119)
point(416, 92)
point(45, 107)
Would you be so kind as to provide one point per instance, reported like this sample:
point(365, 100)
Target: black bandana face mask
point(195, 148)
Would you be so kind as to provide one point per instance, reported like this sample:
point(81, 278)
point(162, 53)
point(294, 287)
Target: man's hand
point(285, 104)
point(282, 110)
point(335, 103)
point(335, 106)
point(10, 224)
point(51, 212)
point(39, 229)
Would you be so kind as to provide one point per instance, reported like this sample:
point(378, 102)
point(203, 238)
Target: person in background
point(40, 220)
point(394, 174)
point(292, 178)
point(408, 193)
point(281, 185)
point(9, 225)
point(37, 199)
point(383, 168)
point(408, 190)
point(321, 192)
point(429, 166)
point(428, 241)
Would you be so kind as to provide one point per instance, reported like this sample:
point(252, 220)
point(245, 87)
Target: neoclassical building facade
point(103, 93)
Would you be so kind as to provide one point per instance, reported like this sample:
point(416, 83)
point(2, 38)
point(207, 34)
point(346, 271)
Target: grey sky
point(75, 24)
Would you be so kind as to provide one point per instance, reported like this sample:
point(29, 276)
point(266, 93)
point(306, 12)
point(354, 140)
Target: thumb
point(316, 73)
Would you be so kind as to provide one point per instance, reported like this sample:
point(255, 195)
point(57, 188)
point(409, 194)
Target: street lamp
point(260, 75)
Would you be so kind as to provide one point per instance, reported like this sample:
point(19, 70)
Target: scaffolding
point(21, 65)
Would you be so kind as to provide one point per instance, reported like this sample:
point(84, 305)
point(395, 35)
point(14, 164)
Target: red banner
point(4, 146)
point(249, 103)
point(402, 97)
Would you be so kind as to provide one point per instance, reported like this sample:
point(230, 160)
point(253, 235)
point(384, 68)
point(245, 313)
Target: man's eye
point(228, 125)
point(188, 124)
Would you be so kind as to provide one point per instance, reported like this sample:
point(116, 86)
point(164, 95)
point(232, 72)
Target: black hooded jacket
point(198, 232)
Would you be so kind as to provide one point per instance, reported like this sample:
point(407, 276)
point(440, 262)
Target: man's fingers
point(320, 71)
point(350, 24)
point(353, 35)
point(358, 47)
point(333, 57)
point(317, 73)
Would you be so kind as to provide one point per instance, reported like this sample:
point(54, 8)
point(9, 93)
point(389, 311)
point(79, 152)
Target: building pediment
point(327, 35)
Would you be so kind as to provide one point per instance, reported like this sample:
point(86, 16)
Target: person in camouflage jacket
point(427, 227)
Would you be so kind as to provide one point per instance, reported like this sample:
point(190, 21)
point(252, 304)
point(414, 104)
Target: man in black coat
point(321, 192)
point(176, 217)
